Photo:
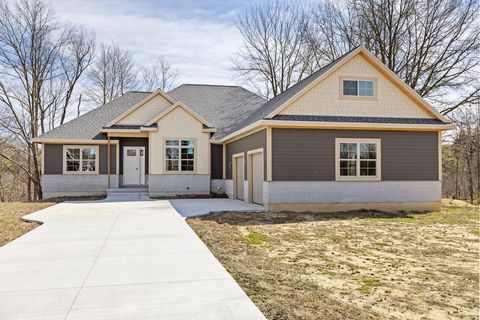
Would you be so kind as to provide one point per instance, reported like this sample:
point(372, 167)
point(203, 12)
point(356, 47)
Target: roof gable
point(326, 99)
point(144, 110)
point(175, 106)
point(374, 63)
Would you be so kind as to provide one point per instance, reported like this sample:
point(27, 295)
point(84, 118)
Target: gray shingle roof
point(358, 119)
point(227, 108)
point(221, 106)
point(88, 125)
point(272, 104)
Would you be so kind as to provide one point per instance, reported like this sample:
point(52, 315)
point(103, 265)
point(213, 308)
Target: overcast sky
point(197, 37)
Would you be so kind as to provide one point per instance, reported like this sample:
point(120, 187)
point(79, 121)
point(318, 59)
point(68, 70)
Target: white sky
point(198, 37)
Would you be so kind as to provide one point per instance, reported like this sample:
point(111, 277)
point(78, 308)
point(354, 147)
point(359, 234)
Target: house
point(351, 135)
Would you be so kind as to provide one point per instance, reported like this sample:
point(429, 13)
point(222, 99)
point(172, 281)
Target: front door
point(134, 165)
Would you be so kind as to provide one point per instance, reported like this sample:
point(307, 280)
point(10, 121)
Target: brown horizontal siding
point(103, 160)
point(53, 157)
point(309, 154)
point(216, 161)
point(251, 142)
point(133, 142)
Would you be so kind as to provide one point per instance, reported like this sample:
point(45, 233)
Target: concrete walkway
point(118, 260)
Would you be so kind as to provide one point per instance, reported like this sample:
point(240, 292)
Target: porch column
point(108, 161)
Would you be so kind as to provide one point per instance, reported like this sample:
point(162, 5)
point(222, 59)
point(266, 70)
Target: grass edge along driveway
point(354, 265)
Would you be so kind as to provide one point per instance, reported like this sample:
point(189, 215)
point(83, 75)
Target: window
point(360, 88)
point(180, 155)
point(80, 159)
point(358, 159)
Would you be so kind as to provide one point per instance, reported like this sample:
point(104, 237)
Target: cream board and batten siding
point(146, 112)
point(179, 124)
point(326, 97)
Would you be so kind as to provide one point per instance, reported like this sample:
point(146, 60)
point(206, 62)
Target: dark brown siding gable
point(254, 141)
point(309, 154)
point(53, 157)
point(216, 161)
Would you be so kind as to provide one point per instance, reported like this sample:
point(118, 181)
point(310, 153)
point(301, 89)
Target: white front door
point(133, 165)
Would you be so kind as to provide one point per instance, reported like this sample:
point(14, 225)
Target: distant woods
point(48, 70)
point(461, 156)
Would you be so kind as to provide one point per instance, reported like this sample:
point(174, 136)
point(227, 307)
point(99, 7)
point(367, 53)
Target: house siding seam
point(53, 158)
point(254, 141)
point(309, 154)
point(216, 170)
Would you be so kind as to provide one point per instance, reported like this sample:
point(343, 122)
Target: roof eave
point(336, 125)
point(72, 141)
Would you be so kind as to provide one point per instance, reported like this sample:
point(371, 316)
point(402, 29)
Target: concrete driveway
point(118, 260)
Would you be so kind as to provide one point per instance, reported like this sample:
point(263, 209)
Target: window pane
point(368, 151)
point(172, 153)
point(189, 143)
point(349, 88)
point(348, 151)
point(88, 153)
point(368, 168)
point(365, 88)
point(348, 168)
point(172, 142)
point(131, 153)
point(188, 153)
point(172, 165)
point(187, 165)
point(73, 154)
point(88, 166)
point(73, 165)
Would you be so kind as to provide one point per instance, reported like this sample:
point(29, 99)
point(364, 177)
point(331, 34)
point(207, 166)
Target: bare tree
point(433, 45)
point(112, 74)
point(462, 159)
point(160, 75)
point(41, 61)
point(273, 56)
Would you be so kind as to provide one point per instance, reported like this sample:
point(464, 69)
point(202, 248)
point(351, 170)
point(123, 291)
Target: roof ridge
point(209, 85)
point(136, 91)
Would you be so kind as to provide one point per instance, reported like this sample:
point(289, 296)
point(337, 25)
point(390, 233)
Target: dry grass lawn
point(11, 226)
point(356, 265)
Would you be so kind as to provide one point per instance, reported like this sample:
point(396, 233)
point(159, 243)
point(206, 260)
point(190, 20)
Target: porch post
point(108, 161)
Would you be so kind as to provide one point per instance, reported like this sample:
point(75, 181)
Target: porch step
point(127, 190)
point(127, 194)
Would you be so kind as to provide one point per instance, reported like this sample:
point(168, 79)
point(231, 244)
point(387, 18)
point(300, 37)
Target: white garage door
point(239, 177)
point(257, 178)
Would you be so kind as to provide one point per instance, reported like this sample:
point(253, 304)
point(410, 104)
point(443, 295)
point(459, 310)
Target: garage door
point(239, 177)
point(257, 178)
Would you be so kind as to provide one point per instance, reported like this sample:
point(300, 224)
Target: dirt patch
point(355, 265)
point(11, 226)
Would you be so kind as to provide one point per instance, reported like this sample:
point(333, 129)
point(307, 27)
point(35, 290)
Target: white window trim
point(358, 79)
point(179, 171)
point(378, 164)
point(97, 156)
